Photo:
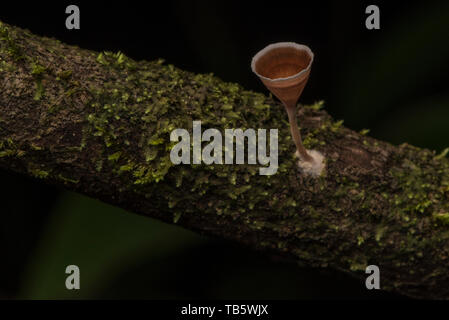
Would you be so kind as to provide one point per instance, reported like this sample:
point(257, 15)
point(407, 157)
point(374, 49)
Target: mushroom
point(284, 69)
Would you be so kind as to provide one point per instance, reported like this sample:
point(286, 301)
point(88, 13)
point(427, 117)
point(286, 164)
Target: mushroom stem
point(291, 111)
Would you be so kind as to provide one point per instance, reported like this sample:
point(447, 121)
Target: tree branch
point(100, 124)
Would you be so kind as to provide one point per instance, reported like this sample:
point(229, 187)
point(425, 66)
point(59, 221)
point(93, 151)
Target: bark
point(100, 124)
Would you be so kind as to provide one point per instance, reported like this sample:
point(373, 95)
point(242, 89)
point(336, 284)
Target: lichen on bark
point(100, 123)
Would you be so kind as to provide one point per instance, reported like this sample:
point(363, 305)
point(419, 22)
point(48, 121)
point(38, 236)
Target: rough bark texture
point(100, 124)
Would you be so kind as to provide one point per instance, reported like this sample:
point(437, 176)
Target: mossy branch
point(100, 124)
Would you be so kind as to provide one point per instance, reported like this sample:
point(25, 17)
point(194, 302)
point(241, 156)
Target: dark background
point(393, 81)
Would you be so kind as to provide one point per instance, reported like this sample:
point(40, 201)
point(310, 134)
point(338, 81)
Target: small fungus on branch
point(284, 69)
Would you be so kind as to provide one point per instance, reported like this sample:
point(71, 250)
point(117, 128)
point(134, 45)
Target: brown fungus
point(284, 69)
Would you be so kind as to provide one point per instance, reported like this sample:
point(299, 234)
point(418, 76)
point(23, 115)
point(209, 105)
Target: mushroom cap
point(284, 68)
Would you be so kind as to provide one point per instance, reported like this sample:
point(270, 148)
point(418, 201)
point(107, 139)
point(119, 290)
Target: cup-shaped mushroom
point(284, 69)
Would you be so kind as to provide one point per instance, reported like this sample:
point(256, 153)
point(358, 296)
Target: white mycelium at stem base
point(315, 167)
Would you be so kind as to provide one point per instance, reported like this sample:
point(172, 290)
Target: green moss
point(37, 70)
point(442, 218)
point(127, 167)
point(114, 156)
point(336, 125)
point(101, 59)
point(64, 75)
point(117, 60)
point(360, 240)
point(176, 217)
point(6, 67)
point(40, 90)
point(443, 154)
point(421, 185)
point(35, 147)
point(37, 171)
point(67, 180)
point(99, 165)
point(317, 105)
point(9, 149)
point(7, 153)
point(364, 132)
point(8, 43)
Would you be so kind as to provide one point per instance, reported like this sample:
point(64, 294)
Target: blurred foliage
point(123, 255)
point(397, 84)
point(101, 240)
